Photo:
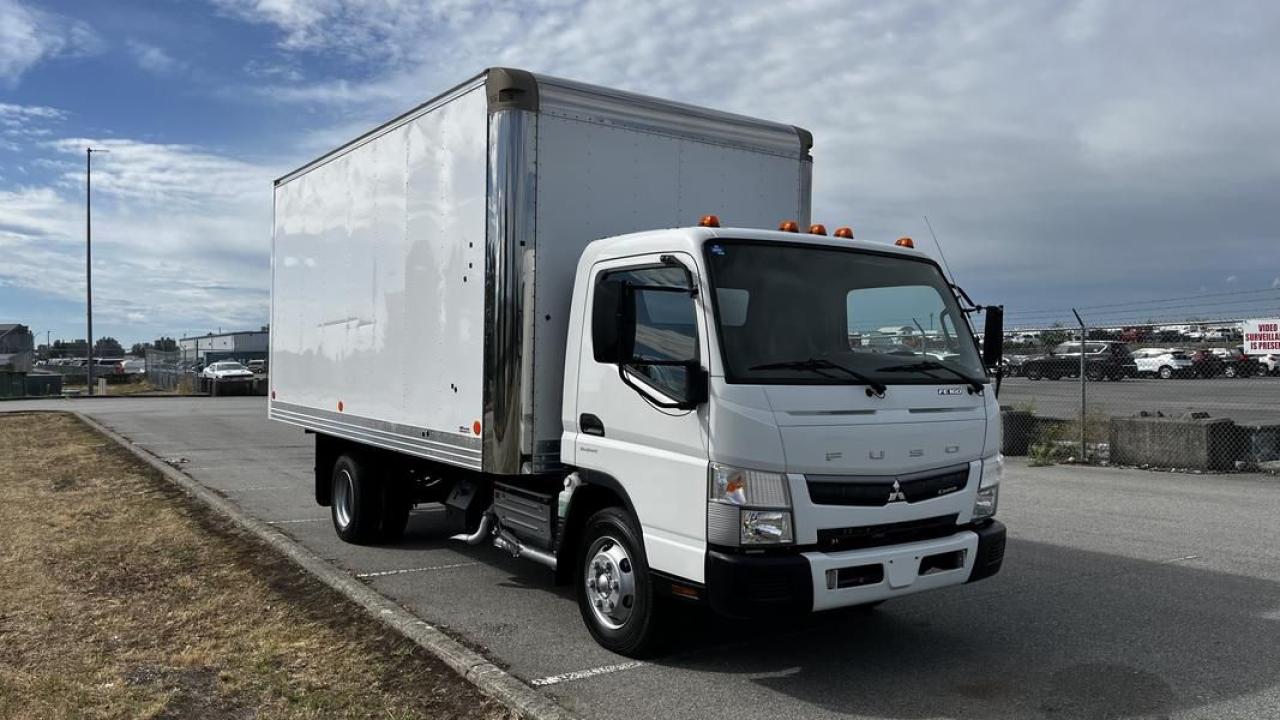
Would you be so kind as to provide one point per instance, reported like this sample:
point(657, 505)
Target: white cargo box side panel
point(597, 180)
point(378, 289)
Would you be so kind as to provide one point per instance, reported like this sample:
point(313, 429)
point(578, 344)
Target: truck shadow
point(1060, 633)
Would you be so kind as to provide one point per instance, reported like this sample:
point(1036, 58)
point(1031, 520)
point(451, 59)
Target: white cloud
point(29, 36)
point(1232, 279)
point(154, 60)
point(181, 236)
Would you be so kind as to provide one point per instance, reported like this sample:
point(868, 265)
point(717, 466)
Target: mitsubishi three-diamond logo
point(896, 495)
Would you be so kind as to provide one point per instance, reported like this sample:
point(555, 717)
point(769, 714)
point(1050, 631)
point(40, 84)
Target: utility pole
point(88, 261)
point(1084, 457)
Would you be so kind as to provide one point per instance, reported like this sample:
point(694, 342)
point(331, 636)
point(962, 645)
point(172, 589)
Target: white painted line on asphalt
point(1184, 558)
point(385, 573)
point(582, 674)
point(290, 522)
point(260, 488)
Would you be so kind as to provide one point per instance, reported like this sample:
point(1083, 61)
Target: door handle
point(590, 424)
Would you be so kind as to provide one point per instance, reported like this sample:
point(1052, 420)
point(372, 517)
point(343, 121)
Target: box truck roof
point(694, 237)
point(512, 89)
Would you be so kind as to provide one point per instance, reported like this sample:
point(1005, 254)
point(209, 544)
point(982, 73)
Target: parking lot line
point(385, 573)
point(300, 520)
point(582, 674)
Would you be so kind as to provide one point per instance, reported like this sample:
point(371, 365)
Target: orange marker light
point(709, 221)
point(475, 427)
point(905, 242)
point(844, 232)
point(817, 229)
point(789, 226)
point(339, 406)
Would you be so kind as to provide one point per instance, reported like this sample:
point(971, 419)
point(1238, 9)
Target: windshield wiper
point(817, 365)
point(927, 365)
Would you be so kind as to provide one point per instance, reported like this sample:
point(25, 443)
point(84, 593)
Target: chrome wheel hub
point(610, 579)
point(343, 494)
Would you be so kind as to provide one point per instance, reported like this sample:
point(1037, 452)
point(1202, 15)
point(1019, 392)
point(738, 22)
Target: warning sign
point(1262, 337)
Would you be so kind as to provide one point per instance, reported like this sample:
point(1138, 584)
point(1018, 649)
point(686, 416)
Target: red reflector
point(339, 406)
point(475, 427)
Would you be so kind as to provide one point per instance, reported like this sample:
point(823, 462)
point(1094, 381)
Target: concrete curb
point(489, 678)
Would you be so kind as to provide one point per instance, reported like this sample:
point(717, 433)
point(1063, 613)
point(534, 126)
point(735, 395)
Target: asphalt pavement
point(1248, 401)
point(1124, 594)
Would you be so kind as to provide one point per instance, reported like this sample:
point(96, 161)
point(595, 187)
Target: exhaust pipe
point(507, 541)
point(482, 532)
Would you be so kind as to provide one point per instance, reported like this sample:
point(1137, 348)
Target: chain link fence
point(1193, 408)
point(166, 370)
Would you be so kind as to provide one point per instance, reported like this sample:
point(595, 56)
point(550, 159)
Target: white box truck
point(496, 301)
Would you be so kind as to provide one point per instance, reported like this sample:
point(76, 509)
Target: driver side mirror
point(993, 336)
point(668, 363)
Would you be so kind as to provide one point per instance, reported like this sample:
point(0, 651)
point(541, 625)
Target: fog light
point(766, 527)
point(985, 504)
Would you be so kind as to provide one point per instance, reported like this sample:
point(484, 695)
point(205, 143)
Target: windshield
point(228, 366)
point(786, 312)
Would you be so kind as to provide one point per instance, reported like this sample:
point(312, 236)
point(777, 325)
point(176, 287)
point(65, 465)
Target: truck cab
point(774, 449)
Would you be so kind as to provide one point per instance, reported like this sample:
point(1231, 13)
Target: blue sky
point(1068, 153)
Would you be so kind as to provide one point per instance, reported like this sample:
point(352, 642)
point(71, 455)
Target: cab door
point(628, 425)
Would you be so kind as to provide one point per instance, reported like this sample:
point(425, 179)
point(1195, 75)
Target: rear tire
point(1033, 373)
point(1166, 372)
point(355, 503)
point(1229, 371)
point(615, 592)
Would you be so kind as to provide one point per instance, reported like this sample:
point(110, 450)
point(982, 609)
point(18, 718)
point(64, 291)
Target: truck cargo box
point(422, 273)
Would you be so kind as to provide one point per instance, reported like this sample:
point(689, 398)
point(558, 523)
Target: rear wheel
point(355, 503)
point(1229, 371)
point(1033, 373)
point(1166, 372)
point(615, 593)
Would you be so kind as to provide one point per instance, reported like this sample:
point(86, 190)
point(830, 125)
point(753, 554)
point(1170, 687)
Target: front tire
point(615, 592)
point(1229, 371)
point(1166, 372)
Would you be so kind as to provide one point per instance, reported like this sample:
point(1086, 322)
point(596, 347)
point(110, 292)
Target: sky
point(1118, 156)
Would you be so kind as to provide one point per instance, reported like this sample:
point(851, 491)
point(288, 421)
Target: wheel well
point(588, 499)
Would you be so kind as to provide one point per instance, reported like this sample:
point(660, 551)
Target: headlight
point(754, 488)
point(984, 506)
point(766, 527)
point(748, 507)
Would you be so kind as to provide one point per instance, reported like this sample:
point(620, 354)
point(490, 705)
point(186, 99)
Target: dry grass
point(121, 598)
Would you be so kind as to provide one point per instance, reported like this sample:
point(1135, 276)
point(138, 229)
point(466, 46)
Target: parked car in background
point(1012, 365)
point(1270, 363)
point(133, 366)
point(258, 367)
point(1103, 359)
point(1205, 364)
point(1163, 363)
point(1235, 363)
point(226, 370)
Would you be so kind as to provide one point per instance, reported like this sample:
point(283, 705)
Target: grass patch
point(123, 598)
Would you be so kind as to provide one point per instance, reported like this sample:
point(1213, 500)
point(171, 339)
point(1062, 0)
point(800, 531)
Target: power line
point(1144, 302)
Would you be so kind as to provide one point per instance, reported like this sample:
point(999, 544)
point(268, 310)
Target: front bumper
point(741, 585)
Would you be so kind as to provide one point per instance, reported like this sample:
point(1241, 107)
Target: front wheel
point(1229, 371)
point(615, 594)
point(1033, 373)
point(1166, 372)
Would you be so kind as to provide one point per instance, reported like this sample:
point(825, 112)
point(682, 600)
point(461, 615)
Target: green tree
point(107, 347)
point(165, 344)
point(1055, 336)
